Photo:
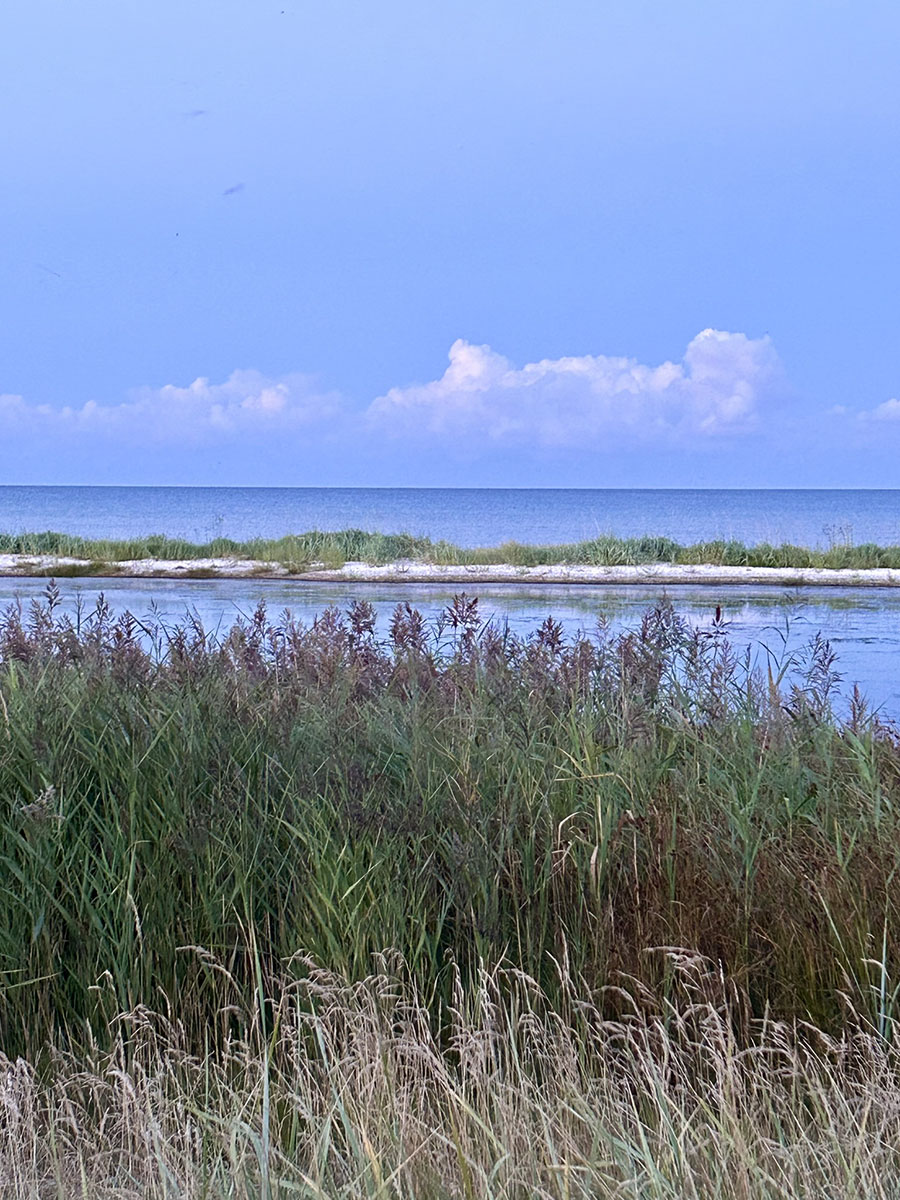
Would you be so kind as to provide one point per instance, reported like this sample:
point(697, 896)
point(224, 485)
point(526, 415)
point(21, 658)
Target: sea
point(773, 623)
point(466, 516)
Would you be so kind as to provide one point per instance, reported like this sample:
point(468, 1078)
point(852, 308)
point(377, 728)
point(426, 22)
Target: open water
point(466, 516)
point(863, 624)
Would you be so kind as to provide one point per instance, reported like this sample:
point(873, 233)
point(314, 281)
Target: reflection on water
point(863, 624)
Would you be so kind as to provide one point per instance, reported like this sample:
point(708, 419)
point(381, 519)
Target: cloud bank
point(719, 388)
point(247, 404)
point(719, 416)
point(716, 389)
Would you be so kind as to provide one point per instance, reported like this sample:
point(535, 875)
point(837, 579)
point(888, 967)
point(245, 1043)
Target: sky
point(633, 243)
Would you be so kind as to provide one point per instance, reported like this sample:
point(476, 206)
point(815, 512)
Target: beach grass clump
point(331, 550)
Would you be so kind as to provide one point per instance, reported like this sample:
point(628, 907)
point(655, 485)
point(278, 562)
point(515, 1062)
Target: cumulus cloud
point(248, 405)
point(870, 423)
point(889, 411)
point(482, 400)
point(715, 390)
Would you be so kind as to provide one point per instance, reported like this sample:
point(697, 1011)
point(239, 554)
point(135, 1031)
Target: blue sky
point(627, 244)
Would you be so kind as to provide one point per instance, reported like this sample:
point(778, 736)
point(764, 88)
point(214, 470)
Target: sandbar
point(411, 571)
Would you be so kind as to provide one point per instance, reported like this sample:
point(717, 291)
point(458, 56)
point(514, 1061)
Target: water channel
point(863, 624)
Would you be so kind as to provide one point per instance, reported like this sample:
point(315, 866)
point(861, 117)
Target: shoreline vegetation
point(355, 554)
point(293, 910)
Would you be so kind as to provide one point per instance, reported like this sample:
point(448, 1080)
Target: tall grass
point(333, 549)
point(292, 911)
point(456, 794)
point(348, 1091)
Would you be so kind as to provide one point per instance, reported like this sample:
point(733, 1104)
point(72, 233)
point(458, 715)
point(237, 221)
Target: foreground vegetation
point(296, 911)
point(353, 1094)
point(299, 551)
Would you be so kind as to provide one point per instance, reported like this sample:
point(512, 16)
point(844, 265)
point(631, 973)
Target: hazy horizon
point(427, 488)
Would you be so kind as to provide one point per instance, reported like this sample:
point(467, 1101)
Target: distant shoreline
point(411, 571)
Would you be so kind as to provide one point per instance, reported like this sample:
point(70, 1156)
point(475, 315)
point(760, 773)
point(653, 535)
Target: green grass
point(294, 911)
point(452, 795)
point(298, 551)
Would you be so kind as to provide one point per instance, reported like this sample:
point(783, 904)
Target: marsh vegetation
point(293, 910)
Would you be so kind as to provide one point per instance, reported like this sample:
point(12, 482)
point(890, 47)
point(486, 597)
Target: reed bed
point(297, 910)
point(298, 552)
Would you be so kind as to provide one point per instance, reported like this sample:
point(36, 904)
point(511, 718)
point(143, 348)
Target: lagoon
point(863, 624)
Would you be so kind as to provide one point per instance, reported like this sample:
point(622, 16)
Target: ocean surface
point(863, 624)
point(467, 516)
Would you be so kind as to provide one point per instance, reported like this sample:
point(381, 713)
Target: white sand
point(408, 571)
point(156, 568)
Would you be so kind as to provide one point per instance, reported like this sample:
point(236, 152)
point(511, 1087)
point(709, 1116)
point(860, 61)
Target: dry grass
point(357, 1091)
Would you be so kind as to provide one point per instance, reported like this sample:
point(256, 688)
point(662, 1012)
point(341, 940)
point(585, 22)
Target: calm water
point(467, 516)
point(863, 624)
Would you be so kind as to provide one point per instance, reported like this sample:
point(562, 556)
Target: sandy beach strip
point(410, 571)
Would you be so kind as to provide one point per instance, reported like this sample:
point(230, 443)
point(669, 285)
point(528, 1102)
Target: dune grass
point(296, 911)
point(332, 549)
point(354, 1091)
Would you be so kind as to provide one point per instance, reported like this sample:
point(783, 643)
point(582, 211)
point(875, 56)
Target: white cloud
point(248, 404)
point(888, 411)
point(591, 401)
point(716, 389)
point(870, 421)
point(11, 408)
